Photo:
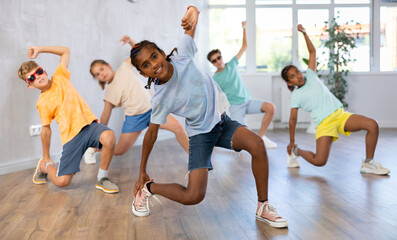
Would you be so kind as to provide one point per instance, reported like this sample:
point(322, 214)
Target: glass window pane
point(313, 1)
point(227, 34)
point(313, 21)
point(352, 1)
point(273, 38)
point(226, 2)
point(273, 2)
point(388, 36)
point(348, 17)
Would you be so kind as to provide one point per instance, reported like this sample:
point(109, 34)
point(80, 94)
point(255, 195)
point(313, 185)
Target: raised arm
point(312, 50)
point(245, 44)
point(189, 21)
point(292, 125)
point(127, 39)
point(148, 143)
point(63, 52)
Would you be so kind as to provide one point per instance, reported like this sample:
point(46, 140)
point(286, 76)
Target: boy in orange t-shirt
point(79, 128)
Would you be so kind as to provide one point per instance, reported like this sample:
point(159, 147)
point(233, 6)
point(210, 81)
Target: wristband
point(194, 7)
point(46, 165)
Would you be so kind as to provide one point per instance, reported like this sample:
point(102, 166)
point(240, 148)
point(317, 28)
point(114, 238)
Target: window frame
point(251, 7)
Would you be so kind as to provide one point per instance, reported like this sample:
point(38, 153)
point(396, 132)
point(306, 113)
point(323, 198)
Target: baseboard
point(19, 165)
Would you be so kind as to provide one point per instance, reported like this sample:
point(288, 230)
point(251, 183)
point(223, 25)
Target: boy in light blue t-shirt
point(231, 83)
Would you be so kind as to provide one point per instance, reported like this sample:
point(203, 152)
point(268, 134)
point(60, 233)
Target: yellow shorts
point(333, 124)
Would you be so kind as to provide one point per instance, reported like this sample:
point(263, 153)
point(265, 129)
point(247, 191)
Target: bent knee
point(320, 162)
point(256, 146)
point(269, 108)
point(108, 139)
point(373, 125)
point(62, 182)
point(194, 199)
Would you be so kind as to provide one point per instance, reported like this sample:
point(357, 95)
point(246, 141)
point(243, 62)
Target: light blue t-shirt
point(231, 83)
point(190, 93)
point(315, 97)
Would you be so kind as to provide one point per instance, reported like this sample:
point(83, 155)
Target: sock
point(102, 173)
point(148, 186)
point(367, 160)
point(295, 150)
point(262, 201)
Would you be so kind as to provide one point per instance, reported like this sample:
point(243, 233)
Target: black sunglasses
point(32, 77)
point(216, 59)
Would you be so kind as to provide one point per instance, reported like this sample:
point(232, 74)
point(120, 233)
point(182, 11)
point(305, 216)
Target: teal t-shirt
point(315, 97)
point(231, 83)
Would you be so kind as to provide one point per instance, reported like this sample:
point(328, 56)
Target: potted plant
point(341, 40)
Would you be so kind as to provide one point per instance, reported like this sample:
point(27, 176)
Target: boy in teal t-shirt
point(231, 83)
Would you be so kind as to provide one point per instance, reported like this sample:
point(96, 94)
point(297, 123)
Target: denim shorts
point(136, 123)
point(74, 150)
point(202, 145)
point(252, 106)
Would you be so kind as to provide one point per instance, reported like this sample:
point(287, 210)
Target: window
point(388, 39)
point(348, 17)
point(227, 34)
point(272, 27)
point(273, 41)
point(313, 21)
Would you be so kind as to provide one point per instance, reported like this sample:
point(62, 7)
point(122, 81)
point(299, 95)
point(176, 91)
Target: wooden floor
point(331, 202)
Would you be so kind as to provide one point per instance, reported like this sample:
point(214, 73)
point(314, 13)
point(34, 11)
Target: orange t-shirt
point(64, 104)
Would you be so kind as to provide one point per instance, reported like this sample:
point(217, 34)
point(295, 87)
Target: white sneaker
point(374, 168)
point(269, 143)
point(140, 203)
point(89, 156)
point(292, 160)
point(268, 214)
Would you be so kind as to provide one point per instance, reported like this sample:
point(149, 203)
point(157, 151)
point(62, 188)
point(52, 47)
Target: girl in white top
point(124, 89)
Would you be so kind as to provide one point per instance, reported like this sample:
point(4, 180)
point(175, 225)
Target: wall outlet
point(35, 130)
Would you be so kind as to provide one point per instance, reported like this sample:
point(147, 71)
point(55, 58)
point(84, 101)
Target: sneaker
point(269, 143)
point(106, 185)
point(292, 161)
point(267, 213)
point(89, 156)
point(39, 177)
point(373, 167)
point(140, 204)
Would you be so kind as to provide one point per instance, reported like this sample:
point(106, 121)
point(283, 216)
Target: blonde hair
point(95, 62)
point(25, 68)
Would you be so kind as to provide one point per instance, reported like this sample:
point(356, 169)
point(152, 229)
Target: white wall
point(91, 29)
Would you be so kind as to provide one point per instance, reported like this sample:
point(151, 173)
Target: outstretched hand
point(244, 24)
point(290, 147)
point(143, 178)
point(33, 52)
point(190, 19)
point(301, 28)
point(127, 39)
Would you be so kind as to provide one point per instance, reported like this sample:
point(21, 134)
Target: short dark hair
point(210, 54)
